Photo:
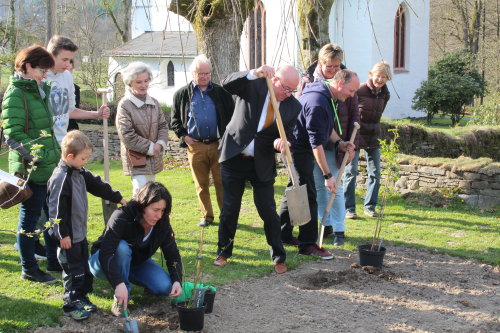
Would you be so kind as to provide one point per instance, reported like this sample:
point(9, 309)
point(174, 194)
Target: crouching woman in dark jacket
point(122, 255)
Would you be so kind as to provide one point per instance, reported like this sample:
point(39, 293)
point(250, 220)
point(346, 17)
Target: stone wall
point(480, 187)
point(417, 141)
point(95, 136)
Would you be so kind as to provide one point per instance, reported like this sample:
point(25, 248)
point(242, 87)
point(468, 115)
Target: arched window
point(399, 38)
point(257, 36)
point(170, 74)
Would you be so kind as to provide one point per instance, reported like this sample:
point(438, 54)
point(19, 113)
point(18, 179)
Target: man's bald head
point(285, 82)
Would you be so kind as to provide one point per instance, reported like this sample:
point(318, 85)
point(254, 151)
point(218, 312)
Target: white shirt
point(61, 101)
point(249, 150)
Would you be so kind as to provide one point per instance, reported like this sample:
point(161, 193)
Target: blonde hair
point(382, 68)
point(75, 142)
point(330, 52)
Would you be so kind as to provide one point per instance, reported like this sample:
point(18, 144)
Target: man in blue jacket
point(315, 127)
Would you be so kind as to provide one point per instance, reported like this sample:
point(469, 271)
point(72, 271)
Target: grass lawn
point(455, 230)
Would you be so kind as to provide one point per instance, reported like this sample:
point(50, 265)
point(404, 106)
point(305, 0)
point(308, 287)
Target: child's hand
point(123, 202)
point(65, 243)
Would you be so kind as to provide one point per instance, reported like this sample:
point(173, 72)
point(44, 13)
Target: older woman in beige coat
point(141, 126)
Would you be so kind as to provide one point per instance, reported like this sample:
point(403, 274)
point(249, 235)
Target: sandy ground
point(416, 291)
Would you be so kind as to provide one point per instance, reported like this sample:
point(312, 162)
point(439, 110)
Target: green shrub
point(487, 114)
point(453, 83)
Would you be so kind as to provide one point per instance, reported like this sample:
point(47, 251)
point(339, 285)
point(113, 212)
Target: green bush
point(453, 83)
point(487, 114)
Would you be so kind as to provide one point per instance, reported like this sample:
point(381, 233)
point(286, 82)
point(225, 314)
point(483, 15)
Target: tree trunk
point(51, 20)
point(124, 31)
point(476, 26)
point(12, 27)
point(127, 8)
point(313, 21)
point(218, 25)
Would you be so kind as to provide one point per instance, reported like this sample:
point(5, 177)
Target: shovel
point(130, 325)
point(296, 196)
point(332, 196)
point(107, 207)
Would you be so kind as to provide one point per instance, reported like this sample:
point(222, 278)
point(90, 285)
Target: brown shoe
point(220, 261)
point(280, 267)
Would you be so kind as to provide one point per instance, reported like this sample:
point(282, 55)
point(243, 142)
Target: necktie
point(269, 116)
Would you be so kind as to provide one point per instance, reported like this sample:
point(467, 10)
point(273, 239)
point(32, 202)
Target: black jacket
point(67, 199)
point(242, 129)
point(224, 106)
point(124, 224)
point(371, 106)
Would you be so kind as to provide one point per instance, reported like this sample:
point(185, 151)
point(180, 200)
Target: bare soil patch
point(416, 291)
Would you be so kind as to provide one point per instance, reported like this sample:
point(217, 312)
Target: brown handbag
point(135, 159)
point(11, 195)
point(139, 160)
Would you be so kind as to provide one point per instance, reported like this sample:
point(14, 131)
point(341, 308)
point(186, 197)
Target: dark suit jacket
point(242, 129)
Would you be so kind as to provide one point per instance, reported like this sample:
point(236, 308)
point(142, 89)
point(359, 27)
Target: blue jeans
point(337, 212)
point(373, 170)
point(29, 213)
point(147, 274)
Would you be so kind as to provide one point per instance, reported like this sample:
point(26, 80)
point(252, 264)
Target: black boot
point(339, 239)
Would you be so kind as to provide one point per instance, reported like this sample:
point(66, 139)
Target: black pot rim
point(181, 305)
point(367, 247)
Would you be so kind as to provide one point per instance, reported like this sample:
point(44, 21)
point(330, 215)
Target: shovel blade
point(130, 326)
point(107, 209)
point(298, 205)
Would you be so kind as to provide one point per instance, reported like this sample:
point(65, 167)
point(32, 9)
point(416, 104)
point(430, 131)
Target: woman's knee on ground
point(160, 287)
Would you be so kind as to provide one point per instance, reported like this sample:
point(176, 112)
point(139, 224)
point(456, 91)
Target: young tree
point(453, 83)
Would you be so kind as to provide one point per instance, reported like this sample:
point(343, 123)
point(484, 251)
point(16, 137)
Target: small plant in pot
point(196, 299)
point(373, 254)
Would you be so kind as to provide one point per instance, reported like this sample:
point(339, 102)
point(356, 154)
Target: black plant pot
point(367, 257)
point(190, 319)
point(209, 300)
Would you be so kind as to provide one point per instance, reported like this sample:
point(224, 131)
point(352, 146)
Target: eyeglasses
point(204, 74)
point(42, 70)
point(287, 90)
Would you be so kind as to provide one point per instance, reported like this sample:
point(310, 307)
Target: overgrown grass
point(438, 124)
point(455, 230)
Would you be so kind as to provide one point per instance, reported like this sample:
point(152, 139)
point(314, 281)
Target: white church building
point(368, 31)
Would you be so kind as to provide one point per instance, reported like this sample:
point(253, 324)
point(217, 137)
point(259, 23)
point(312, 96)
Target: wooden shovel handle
point(338, 180)
point(282, 132)
point(105, 142)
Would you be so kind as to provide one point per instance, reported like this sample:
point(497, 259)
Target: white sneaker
point(370, 212)
point(351, 215)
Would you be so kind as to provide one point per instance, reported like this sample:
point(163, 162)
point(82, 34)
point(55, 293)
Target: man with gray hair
point(318, 124)
point(200, 113)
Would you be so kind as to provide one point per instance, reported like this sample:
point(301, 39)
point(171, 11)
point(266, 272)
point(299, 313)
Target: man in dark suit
point(248, 150)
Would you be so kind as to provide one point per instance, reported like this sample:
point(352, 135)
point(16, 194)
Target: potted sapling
point(373, 254)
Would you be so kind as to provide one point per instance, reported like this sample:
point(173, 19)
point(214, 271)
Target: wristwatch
point(328, 175)
point(336, 144)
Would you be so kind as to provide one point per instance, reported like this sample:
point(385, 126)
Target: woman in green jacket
point(27, 96)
